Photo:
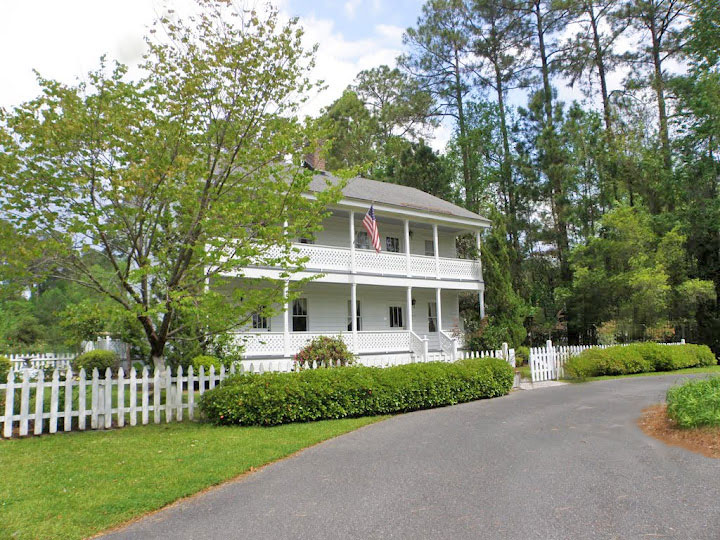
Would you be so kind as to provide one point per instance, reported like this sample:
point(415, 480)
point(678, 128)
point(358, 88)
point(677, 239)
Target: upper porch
point(419, 250)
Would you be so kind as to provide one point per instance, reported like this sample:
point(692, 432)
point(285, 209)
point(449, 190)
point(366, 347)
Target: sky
point(64, 40)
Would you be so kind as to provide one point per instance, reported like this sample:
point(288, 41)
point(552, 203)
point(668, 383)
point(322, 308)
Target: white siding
point(328, 304)
point(336, 232)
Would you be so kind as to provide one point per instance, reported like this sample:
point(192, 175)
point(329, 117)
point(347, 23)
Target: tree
point(659, 24)
point(399, 105)
point(420, 167)
point(506, 311)
point(499, 35)
point(439, 59)
point(352, 133)
point(176, 179)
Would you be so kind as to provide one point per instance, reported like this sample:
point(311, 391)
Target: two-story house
point(401, 302)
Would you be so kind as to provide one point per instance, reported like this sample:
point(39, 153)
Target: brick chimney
point(315, 159)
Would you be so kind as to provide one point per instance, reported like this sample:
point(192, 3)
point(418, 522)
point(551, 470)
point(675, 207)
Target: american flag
point(370, 224)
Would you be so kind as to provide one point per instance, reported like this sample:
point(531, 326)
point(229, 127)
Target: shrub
point(324, 351)
point(96, 359)
point(695, 403)
point(207, 362)
point(5, 366)
point(522, 355)
point(637, 358)
point(278, 398)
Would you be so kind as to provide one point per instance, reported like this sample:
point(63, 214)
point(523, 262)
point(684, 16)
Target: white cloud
point(351, 7)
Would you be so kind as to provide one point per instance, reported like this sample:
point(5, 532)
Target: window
point(396, 317)
point(307, 241)
point(299, 315)
point(429, 248)
point(392, 244)
point(260, 322)
point(362, 240)
point(432, 317)
point(357, 315)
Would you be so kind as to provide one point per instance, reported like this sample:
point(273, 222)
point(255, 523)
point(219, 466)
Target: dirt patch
point(655, 422)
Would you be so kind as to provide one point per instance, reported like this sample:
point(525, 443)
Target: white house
point(402, 301)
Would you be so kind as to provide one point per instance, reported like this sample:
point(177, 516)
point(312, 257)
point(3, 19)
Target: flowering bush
point(324, 351)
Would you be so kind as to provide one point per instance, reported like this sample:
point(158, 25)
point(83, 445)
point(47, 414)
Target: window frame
point(300, 316)
point(365, 242)
point(260, 323)
point(358, 316)
point(392, 240)
point(432, 317)
point(432, 248)
point(396, 316)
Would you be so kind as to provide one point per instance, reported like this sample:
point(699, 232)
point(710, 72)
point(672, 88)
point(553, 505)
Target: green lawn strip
point(705, 369)
point(73, 485)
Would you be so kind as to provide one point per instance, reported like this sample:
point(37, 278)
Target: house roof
point(374, 191)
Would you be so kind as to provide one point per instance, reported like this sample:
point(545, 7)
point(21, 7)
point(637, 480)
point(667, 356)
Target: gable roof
point(374, 191)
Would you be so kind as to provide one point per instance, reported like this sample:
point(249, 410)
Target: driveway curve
point(565, 462)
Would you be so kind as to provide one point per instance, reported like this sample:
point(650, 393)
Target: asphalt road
point(566, 462)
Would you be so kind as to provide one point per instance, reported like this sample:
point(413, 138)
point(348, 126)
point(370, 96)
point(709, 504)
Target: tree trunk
point(157, 343)
point(469, 192)
point(554, 169)
point(659, 86)
point(600, 63)
point(506, 169)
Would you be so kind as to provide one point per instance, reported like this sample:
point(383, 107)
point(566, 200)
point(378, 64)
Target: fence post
point(550, 359)
point(506, 354)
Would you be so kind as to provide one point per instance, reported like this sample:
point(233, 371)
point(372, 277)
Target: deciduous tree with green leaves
point(177, 178)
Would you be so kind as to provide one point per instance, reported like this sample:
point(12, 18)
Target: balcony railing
point(340, 259)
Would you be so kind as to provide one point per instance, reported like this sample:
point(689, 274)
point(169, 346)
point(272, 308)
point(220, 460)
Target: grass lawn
point(706, 369)
point(76, 484)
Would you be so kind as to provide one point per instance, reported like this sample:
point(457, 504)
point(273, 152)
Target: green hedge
point(637, 358)
point(280, 398)
point(5, 366)
point(96, 359)
point(695, 403)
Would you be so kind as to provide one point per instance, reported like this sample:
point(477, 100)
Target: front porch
point(372, 320)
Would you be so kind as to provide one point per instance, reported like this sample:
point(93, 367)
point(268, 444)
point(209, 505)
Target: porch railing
point(273, 343)
point(340, 259)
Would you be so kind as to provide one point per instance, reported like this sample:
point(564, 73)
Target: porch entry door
point(432, 317)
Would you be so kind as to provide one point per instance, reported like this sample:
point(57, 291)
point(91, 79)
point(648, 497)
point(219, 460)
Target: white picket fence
point(75, 401)
point(41, 360)
point(548, 363)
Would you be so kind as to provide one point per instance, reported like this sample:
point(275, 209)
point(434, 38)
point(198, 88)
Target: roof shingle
point(393, 194)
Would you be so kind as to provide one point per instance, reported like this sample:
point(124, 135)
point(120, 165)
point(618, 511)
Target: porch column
point(437, 251)
point(407, 246)
point(353, 315)
point(438, 303)
point(286, 320)
point(481, 294)
point(352, 241)
point(409, 309)
point(478, 245)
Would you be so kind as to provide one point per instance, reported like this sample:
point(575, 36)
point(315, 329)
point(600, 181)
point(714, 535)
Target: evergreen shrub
point(278, 398)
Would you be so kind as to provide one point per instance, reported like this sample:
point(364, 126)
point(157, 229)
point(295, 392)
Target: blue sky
point(356, 18)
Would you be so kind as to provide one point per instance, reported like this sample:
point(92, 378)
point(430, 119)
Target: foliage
point(97, 359)
point(165, 175)
point(637, 358)
point(207, 362)
point(324, 351)
point(695, 403)
point(5, 367)
point(522, 356)
point(279, 398)
point(506, 310)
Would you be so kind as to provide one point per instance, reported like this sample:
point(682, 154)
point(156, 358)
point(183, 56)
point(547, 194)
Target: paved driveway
point(557, 463)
